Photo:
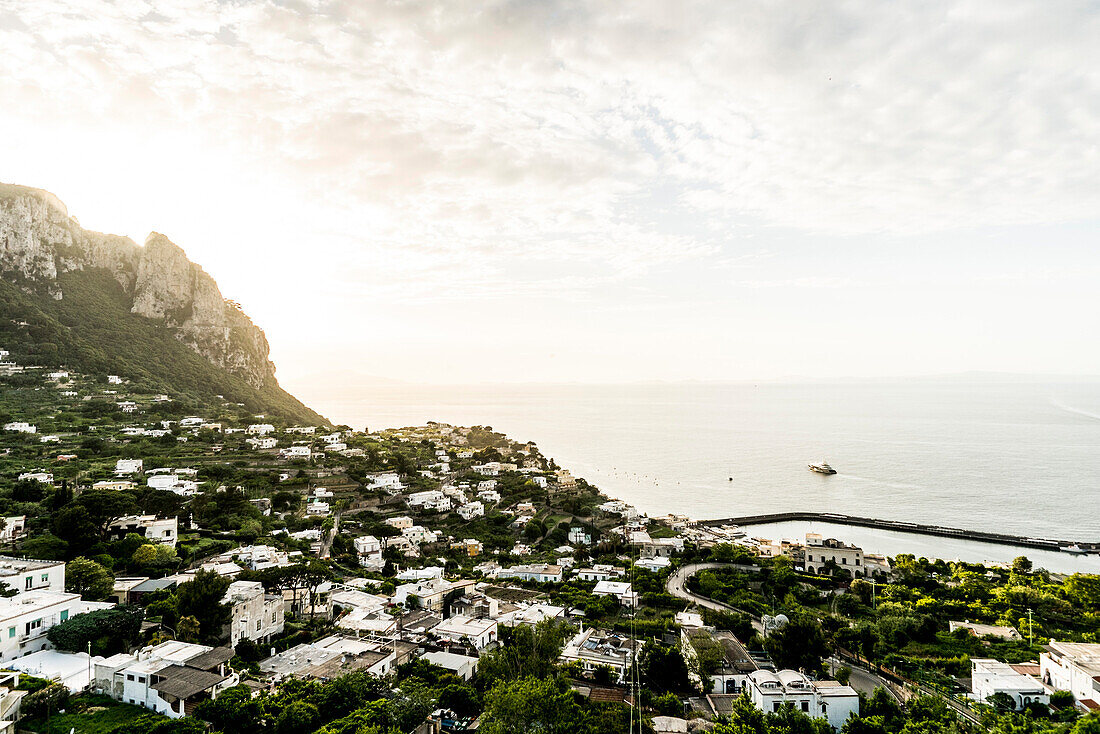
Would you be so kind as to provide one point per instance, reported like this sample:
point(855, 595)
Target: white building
point(161, 530)
point(579, 536)
point(621, 590)
point(769, 691)
point(296, 452)
point(989, 677)
point(599, 572)
point(329, 658)
point(260, 429)
point(419, 534)
point(1073, 667)
point(471, 510)
point(36, 476)
point(389, 481)
point(369, 550)
point(428, 594)
point(173, 483)
point(170, 678)
point(263, 443)
point(114, 380)
point(128, 466)
point(820, 551)
point(594, 649)
point(259, 557)
point(463, 666)
point(25, 618)
point(400, 523)
point(317, 508)
point(15, 526)
point(25, 574)
point(479, 632)
point(531, 615)
point(256, 616)
point(71, 669)
point(432, 499)
point(488, 495)
point(20, 427)
point(541, 572)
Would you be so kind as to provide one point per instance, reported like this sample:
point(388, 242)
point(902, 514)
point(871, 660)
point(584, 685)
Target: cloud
point(478, 139)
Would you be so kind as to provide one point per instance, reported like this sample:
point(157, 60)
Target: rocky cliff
point(40, 241)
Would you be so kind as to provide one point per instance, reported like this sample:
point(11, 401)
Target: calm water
point(1018, 458)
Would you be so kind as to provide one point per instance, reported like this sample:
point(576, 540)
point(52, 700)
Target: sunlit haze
point(455, 192)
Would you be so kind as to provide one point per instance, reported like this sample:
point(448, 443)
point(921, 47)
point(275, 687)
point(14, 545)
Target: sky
point(552, 191)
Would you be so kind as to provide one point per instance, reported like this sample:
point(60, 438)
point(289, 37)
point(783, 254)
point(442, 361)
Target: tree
point(460, 698)
point(1001, 701)
point(663, 668)
point(74, 526)
point(798, 645)
point(88, 578)
point(298, 718)
point(202, 599)
point(108, 630)
point(104, 506)
point(157, 724)
point(234, 710)
point(188, 629)
point(1021, 564)
point(145, 555)
point(528, 705)
point(524, 651)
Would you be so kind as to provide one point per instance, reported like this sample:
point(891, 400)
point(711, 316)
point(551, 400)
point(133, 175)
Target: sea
point(1010, 456)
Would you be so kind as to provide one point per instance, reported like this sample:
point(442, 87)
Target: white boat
point(822, 468)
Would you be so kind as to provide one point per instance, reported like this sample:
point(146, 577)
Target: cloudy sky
point(558, 191)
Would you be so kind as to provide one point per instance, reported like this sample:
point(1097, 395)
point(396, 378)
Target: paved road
point(862, 680)
point(677, 586)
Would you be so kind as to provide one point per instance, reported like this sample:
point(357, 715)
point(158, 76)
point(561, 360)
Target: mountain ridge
point(46, 256)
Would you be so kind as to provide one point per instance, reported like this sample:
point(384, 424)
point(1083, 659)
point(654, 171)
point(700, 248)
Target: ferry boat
point(822, 468)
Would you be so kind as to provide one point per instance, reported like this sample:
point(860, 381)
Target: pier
point(910, 527)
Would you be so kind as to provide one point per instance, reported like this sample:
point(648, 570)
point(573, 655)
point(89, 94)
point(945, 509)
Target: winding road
point(677, 586)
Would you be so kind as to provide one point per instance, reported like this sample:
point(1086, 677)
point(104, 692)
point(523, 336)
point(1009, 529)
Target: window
point(141, 679)
point(775, 706)
point(806, 706)
point(29, 582)
point(258, 625)
point(129, 676)
point(844, 561)
point(45, 577)
point(31, 626)
point(64, 614)
point(857, 561)
point(11, 632)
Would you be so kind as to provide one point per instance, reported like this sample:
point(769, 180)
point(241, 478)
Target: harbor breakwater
point(1047, 544)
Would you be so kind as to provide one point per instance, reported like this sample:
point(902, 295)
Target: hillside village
point(172, 566)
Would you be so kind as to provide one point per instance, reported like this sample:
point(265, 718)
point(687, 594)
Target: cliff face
point(39, 241)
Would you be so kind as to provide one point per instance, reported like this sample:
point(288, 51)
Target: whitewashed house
point(471, 510)
point(369, 550)
point(256, 615)
point(159, 530)
point(769, 691)
point(128, 466)
point(989, 677)
point(478, 632)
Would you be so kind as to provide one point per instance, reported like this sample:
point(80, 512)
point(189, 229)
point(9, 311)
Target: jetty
point(1065, 546)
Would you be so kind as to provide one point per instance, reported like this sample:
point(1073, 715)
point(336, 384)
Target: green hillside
point(92, 331)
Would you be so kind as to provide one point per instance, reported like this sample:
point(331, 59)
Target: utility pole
point(1030, 635)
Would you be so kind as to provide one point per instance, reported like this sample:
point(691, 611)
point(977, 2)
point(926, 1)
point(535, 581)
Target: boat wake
point(1075, 411)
